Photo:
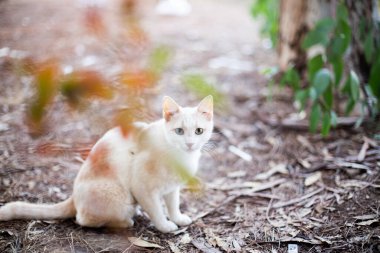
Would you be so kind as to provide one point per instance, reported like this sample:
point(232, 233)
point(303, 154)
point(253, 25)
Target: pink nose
point(189, 145)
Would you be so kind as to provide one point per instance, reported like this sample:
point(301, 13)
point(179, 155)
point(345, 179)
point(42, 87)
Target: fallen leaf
point(367, 222)
point(313, 178)
point(236, 245)
point(240, 153)
point(141, 243)
point(221, 243)
point(323, 239)
point(201, 244)
point(366, 217)
point(174, 248)
point(363, 150)
point(278, 168)
point(305, 142)
point(186, 238)
point(238, 173)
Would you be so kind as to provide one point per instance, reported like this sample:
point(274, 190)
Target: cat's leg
point(150, 202)
point(172, 203)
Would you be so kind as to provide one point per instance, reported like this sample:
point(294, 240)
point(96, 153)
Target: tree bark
point(360, 12)
point(292, 29)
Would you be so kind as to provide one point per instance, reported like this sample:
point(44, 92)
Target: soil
point(266, 187)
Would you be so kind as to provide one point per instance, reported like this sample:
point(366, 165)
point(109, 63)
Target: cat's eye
point(179, 131)
point(199, 131)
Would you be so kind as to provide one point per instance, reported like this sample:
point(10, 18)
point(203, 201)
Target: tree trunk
point(292, 29)
point(360, 12)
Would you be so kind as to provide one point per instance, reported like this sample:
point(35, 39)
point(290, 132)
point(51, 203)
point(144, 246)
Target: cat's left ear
point(205, 107)
point(169, 108)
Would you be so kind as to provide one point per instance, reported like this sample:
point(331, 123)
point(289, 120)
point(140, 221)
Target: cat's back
point(109, 157)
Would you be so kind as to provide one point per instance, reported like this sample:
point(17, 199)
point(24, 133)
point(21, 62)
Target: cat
point(126, 170)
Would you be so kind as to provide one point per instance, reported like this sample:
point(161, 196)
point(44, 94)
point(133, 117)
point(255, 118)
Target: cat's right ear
point(169, 108)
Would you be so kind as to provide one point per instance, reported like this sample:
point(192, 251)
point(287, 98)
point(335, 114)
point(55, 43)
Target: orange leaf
point(138, 80)
point(94, 21)
point(85, 84)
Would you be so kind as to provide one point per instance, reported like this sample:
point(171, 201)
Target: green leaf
point(340, 41)
point(267, 10)
point(321, 81)
point(315, 117)
point(326, 123)
point(349, 106)
point(301, 97)
point(292, 78)
point(159, 58)
point(320, 34)
point(338, 66)
point(369, 47)
point(342, 12)
point(374, 79)
point(313, 65)
point(354, 86)
point(329, 97)
point(202, 88)
point(313, 94)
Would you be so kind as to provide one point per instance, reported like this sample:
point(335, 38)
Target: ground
point(267, 185)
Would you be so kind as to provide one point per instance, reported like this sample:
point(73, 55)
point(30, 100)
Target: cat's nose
point(189, 145)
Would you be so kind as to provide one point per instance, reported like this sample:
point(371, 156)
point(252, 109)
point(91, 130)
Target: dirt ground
point(267, 186)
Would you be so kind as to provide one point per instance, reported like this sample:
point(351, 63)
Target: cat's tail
point(23, 210)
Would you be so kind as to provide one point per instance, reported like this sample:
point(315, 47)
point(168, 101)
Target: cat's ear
point(206, 107)
point(169, 108)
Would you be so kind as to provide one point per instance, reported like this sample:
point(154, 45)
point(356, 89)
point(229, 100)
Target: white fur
point(144, 166)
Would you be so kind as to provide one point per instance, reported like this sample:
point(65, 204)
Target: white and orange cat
point(122, 170)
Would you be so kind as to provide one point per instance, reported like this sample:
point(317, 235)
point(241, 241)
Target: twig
point(294, 201)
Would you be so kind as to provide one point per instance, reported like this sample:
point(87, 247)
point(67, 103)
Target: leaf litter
point(286, 187)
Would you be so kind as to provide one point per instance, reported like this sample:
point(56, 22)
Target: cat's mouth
point(190, 149)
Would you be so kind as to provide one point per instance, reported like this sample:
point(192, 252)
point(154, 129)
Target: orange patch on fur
point(151, 167)
point(99, 162)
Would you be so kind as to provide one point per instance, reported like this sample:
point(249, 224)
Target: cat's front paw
point(182, 220)
point(167, 227)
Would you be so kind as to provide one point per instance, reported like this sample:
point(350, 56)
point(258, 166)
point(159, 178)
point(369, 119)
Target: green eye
point(179, 131)
point(199, 131)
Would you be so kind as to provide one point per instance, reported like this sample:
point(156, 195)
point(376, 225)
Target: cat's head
point(188, 128)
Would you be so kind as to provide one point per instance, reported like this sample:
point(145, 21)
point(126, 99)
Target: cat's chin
point(190, 150)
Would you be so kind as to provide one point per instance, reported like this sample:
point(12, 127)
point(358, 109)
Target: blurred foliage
point(146, 78)
point(158, 59)
point(330, 79)
point(268, 11)
point(84, 84)
point(202, 88)
point(45, 78)
point(93, 21)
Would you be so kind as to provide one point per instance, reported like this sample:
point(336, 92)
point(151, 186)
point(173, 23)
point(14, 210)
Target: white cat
point(144, 166)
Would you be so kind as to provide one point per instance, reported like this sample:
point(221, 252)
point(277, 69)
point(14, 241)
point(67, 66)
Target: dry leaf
point(239, 173)
point(240, 153)
point(174, 248)
point(141, 243)
point(305, 142)
point(313, 178)
point(221, 243)
point(366, 217)
point(323, 239)
point(363, 151)
point(236, 245)
point(367, 223)
point(186, 238)
point(203, 246)
point(278, 168)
